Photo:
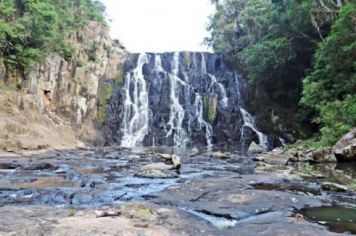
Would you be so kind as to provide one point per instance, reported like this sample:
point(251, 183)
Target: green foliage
point(336, 119)
point(272, 46)
point(265, 58)
point(273, 43)
point(30, 29)
point(329, 88)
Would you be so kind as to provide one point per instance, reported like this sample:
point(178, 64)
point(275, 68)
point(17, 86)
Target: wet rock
point(9, 166)
point(254, 148)
point(155, 173)
point(328, 186)
point(193, 152)
point(111, 155)
point(220, 155)
point(156, 166)
point(21, 198)
point(48, 182)
point(165, 156)
point(82, 199)
point(232, 198)
point(175, 159)
point(40, 166)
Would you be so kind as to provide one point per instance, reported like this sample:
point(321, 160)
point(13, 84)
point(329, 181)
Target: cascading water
point(135, 122)
point(249, 121)
point(202, 123)
point(179, 99)
point(214, 83)
point(177, 113)
point(224, 99)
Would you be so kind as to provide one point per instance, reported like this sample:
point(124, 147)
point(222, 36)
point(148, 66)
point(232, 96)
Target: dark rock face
point(179, 99)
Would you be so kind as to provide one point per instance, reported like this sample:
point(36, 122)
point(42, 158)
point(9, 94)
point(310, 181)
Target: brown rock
point(323, 155)
point(220, 155)
point(254, 148)
point(345, 148)
point(156, 166)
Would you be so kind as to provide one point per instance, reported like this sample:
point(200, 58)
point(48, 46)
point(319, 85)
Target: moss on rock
point(210, 106)
point(105, 93)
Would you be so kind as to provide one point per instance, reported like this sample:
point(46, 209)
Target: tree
point(333, 78)
point(271, 45)
point(29, 29)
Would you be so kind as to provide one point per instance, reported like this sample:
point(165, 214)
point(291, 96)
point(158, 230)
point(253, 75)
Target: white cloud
point(159, 25)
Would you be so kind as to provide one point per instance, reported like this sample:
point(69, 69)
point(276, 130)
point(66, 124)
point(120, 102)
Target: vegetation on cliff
point(31, 29)
point(330, 87)
point(298, 55)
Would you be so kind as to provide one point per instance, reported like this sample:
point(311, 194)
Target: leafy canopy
point(31, 28)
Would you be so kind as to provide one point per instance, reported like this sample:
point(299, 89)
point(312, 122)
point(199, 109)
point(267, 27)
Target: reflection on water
point(342, 173)
point(338, 219)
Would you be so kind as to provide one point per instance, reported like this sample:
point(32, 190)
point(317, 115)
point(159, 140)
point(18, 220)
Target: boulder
point(176, 161)
point(156, 166)
point(165, 156)
point(193, 152)
point(323, 155)
point(156, 170)
point(254, 148)
point(155, 173)
point(345, 148)
point(220, 155)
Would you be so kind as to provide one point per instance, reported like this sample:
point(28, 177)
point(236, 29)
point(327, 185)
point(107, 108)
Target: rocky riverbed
point(117, 191)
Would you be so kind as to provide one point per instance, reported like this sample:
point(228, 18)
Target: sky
point(159, 25)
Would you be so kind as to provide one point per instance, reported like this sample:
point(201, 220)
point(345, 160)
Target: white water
point(198, 103)
point(136, 110)
point(224, 100)
point(177, 112)
point(214, 82)
point(218, 222)
point(249, 121)
point(135, 123)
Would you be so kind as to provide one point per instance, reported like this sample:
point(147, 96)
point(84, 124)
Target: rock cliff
point(72, 91)
point(181, 99)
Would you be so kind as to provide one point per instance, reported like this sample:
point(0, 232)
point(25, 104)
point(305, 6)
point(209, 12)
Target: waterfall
point(177, 112)
point(198, 103)
point(180, 99)
point(249, 121)
point(214, 83)
point(222, 93)
point(135, 122)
